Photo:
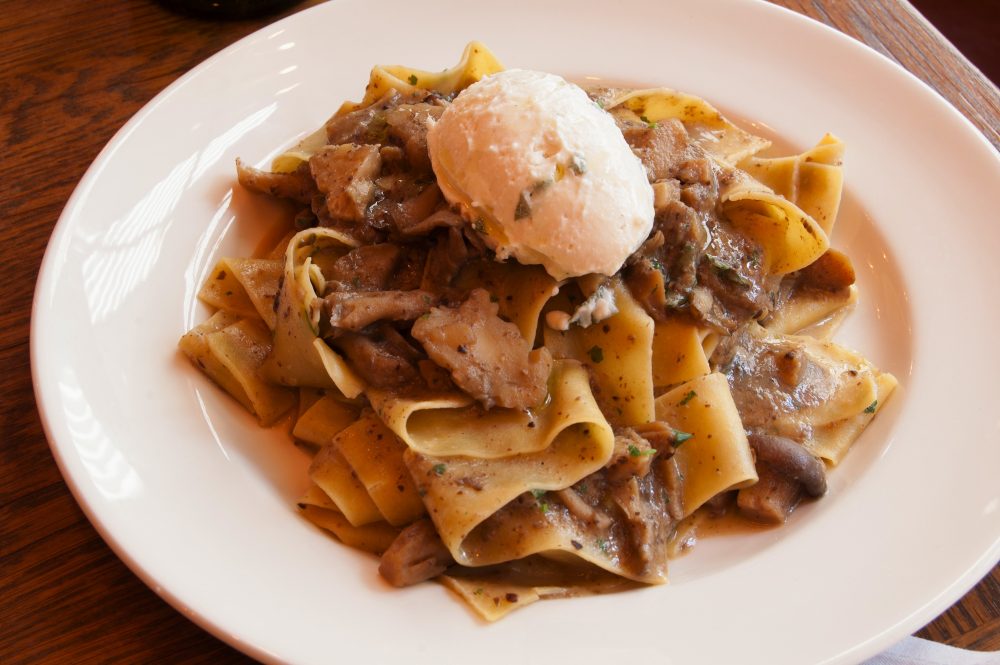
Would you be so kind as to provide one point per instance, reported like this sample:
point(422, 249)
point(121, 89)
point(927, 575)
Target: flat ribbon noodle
point(231, 350)
point(247, 287)
point(317, 507)
point(299, 356)
point(707, 127)
point(477, 61)
point(812, 180)
point(814, 313)
point(618, 352)
point(324, 419)
point(832, 440)
point(335, 477)
point(461, 491)
point(790, 238)
point(717, 457)
point(494, 591)
point(448, 425)
point(678, 354)
point(375, 456)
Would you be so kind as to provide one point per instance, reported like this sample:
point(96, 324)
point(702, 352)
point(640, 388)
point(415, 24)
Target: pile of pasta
point(505, 489)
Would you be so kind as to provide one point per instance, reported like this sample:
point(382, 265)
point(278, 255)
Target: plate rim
point(59, 238)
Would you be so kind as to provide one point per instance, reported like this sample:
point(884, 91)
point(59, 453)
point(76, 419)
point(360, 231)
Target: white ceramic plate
point(199, 502)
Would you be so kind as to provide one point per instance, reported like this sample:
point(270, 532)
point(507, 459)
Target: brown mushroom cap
point(791, 459)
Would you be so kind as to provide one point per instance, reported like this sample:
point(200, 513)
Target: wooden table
point(73, 71)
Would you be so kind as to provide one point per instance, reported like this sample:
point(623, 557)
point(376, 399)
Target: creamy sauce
point(704, 524)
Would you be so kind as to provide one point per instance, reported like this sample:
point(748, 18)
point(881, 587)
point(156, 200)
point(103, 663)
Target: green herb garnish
point(728, 272)
point(412, 79)
point(680, 437)
point(634, 451)
point(439, 469)
point(687, 398)
point(871, 407)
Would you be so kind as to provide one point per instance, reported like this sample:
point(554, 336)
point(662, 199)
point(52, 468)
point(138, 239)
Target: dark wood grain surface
point(71, 73)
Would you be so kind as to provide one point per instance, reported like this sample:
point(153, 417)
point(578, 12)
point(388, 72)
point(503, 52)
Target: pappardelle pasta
point(483, 408)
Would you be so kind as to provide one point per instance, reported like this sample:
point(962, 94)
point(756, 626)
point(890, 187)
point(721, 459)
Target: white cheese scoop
point(544, 172)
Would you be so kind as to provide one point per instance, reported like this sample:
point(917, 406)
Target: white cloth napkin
point(917, 651)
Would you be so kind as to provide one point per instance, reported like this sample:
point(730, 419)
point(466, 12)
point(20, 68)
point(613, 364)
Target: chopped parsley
point(523, 208)
point(412, 79)
point(680, 437)
point(871, 407)
point(596, 354)
point(728, 272)
point(687, 398)
point(542, 505)
point(634, 451)
point(439, 469)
